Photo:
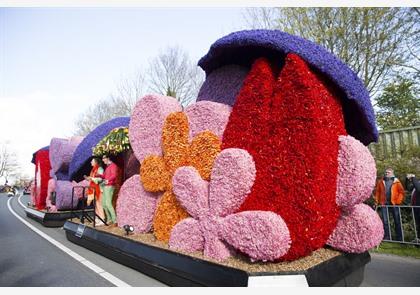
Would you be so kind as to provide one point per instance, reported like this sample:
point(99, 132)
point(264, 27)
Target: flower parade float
point(57, 194)
point(260, 182)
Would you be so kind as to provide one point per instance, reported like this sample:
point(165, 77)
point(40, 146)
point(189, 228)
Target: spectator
point(414, 184)
point(390, 192)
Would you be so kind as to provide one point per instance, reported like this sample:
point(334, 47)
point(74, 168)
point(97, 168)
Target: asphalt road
point(27, 259)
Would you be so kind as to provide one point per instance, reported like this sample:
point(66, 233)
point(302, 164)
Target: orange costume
point(94, 190)
point(397, 193)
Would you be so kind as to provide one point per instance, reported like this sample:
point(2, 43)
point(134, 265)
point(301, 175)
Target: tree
point(399, 105)
point(172, 72)
point(372, 41)
point(8, 161)
point(118, 104)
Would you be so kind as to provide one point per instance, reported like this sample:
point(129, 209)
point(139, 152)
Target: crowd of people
point(389, 195)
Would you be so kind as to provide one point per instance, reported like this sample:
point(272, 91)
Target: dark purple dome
point(244, 47)
point(79, 163)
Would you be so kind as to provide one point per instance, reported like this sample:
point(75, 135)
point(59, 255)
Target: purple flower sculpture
point(214, 227)
point(64, 191)
point(244, 47)
point(79, 163)
point(61, 152)
point(223, 84)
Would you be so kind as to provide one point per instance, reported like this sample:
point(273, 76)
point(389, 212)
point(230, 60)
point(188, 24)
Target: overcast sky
point(56, 62)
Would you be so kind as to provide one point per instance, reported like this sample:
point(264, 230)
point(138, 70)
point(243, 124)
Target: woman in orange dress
point(94, 190)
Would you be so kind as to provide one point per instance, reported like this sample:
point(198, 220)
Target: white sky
point(56, 62)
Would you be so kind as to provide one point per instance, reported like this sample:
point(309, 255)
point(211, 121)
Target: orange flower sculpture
point(164, 138)
point(156, 172)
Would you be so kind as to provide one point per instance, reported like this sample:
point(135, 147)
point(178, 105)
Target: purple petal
point(357, 231)
point(187, 236)
point(191, 190)
point(356, 173)
point(135, 206)
point(63, 191)
point(223, 84)
point(56, 149)
point(263, 235)
point(147, 118)
point(232, 177)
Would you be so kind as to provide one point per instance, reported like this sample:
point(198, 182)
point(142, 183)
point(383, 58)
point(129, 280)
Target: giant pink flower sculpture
point(214, 227)
point(145, 134)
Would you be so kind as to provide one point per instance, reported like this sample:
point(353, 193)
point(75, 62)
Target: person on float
point(94, 191)
point(109, 183)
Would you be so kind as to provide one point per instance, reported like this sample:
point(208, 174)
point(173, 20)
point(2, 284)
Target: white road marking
point(107, 276)
point(20, 202)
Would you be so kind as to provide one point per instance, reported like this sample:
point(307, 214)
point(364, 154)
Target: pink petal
point(191, 190)
point(263, 235)
point(356, 173)
point(146, 122)
point(135, 206)
point(187, 236)
point(208, 115)
point(232, 177)
point(357, 230)
point(50, 190)
point(52, 209)
point(216, 249)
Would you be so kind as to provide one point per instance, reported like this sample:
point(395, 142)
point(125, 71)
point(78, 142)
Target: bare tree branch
point(8, 161)
point(172, 72)
point(118, 104)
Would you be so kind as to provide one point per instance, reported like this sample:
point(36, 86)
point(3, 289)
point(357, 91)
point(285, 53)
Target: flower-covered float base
point(324, 267)
point(55, 219)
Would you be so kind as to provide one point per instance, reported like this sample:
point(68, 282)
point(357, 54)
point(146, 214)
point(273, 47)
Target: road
point(27, 259)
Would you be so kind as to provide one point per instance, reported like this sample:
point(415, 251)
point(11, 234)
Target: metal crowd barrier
point(409, 219)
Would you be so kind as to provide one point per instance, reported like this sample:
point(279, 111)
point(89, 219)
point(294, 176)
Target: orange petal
point(168, 213)
point(203, 150)
point(154, 174)
point(175, 141)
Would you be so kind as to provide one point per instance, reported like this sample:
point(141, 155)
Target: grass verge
point(397, 249)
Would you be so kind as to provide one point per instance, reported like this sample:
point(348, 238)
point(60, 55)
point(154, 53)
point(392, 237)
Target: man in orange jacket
point(390, 192)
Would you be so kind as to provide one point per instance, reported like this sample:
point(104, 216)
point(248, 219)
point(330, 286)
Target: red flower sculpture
point(291, 127)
